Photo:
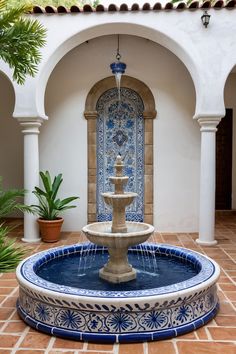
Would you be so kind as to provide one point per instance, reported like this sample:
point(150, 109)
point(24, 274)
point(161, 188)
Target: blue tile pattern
point(141, 315)
point(120, 130)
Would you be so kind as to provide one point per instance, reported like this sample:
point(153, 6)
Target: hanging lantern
point(118, 68)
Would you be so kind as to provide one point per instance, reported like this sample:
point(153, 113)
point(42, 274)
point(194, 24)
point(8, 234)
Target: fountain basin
point(118, 316)
point(100, 234)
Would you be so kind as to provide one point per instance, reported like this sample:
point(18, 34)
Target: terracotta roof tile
point(112, 8)
point(219, 4)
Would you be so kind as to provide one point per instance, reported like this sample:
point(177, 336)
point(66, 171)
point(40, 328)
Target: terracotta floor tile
point(90, 352)
point(228, 287)
point(226, 309)
point(8, 283)
point(221, 296)
point(223, 333)
point(62, 352)
point(5, 313)
point(8, 276)
point(15, 327)
point(8, 341)
point(161, 347)
point(102, 347)
point(25, 351)
point(201, 333)
point(10, 302)
point(5, 291)
point(226, 321)
point(190, 335)
point(67, 344)
point(15, 317)
point(227, 264)
point(231, 295)
point(224, 279)
point(134, 348)
point(3, 351)
point(35, 340)
point(190, 347)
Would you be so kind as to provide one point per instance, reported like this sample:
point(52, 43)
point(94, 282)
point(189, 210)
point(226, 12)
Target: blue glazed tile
point(185, 329)
point(44, 328)
point(67, 334)
point(165, 334)
point(99, 338)
point(134, 337)
point(120, 130)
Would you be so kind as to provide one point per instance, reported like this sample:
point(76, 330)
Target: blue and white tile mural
point(120, 130)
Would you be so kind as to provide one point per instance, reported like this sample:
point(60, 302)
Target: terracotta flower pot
point(50, 229)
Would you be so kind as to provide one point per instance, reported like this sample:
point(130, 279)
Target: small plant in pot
point(50, 207)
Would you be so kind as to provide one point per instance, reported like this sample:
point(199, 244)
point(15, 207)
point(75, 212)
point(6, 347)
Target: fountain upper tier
point(119, 200)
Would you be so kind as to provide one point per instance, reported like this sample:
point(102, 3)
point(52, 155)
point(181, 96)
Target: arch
point(189, 56)
point(7, 73)
point(149, 114)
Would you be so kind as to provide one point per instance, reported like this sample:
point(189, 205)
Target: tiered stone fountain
point(118, 235)
point(176, 296)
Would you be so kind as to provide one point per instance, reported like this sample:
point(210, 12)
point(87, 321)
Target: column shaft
point(31, 177)
point(207, 181)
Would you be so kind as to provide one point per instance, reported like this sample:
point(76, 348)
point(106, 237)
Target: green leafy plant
point(20, 40)
point(10, 254)
point(10, 201)
point(50, 206)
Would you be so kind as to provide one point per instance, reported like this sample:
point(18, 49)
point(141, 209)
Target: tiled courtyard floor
point(217, 337)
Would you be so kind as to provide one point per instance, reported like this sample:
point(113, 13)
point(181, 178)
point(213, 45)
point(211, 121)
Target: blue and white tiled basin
point(118, 316)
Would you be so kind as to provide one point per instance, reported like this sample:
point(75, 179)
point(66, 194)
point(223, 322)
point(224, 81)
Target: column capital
point(209, 124)
point(30, 126)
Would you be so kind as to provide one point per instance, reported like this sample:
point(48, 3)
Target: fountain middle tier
point(119, 202)
point(118, 269)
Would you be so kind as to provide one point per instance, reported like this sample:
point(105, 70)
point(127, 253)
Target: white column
point(31, 176)
point(207, 181)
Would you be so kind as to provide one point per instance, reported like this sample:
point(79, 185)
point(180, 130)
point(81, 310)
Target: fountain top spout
point(119, 164)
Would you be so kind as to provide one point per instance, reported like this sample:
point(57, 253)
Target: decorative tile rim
point(208, 275)
point(118, 338)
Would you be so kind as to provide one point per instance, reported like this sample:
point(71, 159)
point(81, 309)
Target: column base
point(31, 241)
point(206, 243)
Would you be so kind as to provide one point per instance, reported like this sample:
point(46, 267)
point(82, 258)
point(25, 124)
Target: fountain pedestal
point(117, 269)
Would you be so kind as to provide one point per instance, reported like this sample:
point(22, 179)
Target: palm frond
point(10, 254)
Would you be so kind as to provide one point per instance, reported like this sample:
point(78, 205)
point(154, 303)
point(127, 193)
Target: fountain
point(167, 291)
point(122, 234)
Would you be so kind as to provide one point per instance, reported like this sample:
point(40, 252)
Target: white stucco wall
point(63, 138)
point(230, 102)
point(11, 151)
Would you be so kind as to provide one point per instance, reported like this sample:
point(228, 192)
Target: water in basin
point(82, 272)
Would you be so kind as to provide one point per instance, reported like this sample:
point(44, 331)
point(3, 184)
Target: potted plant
point(50, 207)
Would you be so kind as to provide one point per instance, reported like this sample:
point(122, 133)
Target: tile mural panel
point(120, 130)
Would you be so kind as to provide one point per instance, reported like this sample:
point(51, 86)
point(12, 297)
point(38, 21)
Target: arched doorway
point(138, 111)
